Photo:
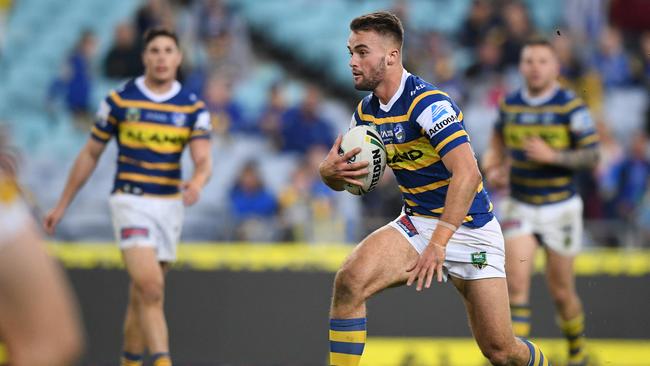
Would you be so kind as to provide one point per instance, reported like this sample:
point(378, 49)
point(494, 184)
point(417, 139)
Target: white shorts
point(557, 225)
point(147, 222)
point(14, 217)
point(471, 253)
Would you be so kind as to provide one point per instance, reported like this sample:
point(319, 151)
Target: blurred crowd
point(601, 45)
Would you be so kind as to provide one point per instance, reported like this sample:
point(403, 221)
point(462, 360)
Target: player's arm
point(584, 156)
point(83, 167)
point(202, 159)
point(495, 161)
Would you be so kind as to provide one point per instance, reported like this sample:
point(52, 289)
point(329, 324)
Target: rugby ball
point(372, 150)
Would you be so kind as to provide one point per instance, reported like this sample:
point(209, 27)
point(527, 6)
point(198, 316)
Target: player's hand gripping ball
point(372, 150)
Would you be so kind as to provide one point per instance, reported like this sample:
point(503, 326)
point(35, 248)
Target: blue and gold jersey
point(562, 121)
point(151, 131)
point(419, 125)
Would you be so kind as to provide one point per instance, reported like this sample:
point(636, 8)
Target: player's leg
point(486, 301)
point(148, 281)
point(134, 341)
point(520, 258)
point(561, 283)
point(381, 260)
point(563, 240)
point(38, 317)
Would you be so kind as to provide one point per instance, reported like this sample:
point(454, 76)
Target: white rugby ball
point(372, 150)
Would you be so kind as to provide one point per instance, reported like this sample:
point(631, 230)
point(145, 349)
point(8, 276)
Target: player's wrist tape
point(447, 225)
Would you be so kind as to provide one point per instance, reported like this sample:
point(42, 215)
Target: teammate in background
point(39, 323)
point(447, 228)
point(544, 133)
point(152, 118)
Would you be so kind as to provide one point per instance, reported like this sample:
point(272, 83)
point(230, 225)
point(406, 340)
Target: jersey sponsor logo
point(157, 138)
point(417, 89)
point(406, 224)
point(399, 133)
point(442, 115)
point(479, 260)
point(155, 116)
point(134, 232)
point(411, 155)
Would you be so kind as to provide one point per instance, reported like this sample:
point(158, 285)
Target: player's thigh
point(381, 260)
point(486, 301)
point(36, 304)
point(520, 259)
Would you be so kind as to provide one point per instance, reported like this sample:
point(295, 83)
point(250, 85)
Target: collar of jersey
point(542, 99)
point(155, 97)
point(400, 90)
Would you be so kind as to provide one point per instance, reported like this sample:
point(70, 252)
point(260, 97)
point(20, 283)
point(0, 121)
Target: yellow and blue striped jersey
point(419, 125)
point(562, 121)
point(151, 131)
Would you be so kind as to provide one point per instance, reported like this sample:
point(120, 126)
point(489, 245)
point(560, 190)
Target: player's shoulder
point(188, 97)
point(567, 96)
point(513, 98)
point(417, 89)
point(125, 90)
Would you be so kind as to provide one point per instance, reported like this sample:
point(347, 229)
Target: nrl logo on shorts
point(479, 260)
point(133, 114)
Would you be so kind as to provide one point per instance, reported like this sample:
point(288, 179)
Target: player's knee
point(347, 285)
point(150, 291)
point(497, 355)
point(561, 294)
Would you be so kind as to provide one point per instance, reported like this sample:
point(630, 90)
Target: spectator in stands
point(479, 22)
point(633, 177)
point(517, 29)
point(155, 13)
point(606, 172)
point(253, 206)
point(303, 126)
point(124, 59)
point(227, 115)
point(270, 120)
point(308, 208)
point(576, 74)
point(644, 60)
point(488, 62)
point(75, 83)
point(611, 61)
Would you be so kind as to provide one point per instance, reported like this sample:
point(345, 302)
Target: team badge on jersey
point(399, 133)
point(179, 119)
point(479, 260)
point(132, 114)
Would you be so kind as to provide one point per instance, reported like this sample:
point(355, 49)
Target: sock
point(536, 356)
point(347, 339)
point(131, 359)
point(161, 359)
point(574, 332)
point(520, 314)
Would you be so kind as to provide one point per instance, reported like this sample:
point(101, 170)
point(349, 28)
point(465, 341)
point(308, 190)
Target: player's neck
point(158, 87)
point(389, 86)
point(539, 93)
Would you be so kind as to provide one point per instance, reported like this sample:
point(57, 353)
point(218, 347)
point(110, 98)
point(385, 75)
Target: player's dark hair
point(153, 33)
point(382, 22)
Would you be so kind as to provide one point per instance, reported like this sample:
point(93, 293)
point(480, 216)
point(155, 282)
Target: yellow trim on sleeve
point(101, 134)
point(450, 138)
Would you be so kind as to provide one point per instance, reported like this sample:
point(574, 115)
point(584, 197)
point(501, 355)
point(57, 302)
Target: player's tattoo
point(578, 159)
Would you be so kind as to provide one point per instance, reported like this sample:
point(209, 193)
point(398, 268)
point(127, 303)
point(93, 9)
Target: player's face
point(368, 52)
point(539, 67)
point(161, 59)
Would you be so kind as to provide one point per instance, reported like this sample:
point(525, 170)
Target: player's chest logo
point(548, 118)
point(386, 135)
point(132, 114)
point(528, 118)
